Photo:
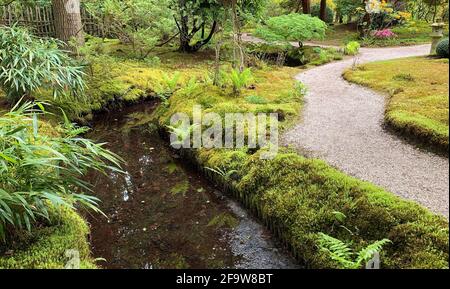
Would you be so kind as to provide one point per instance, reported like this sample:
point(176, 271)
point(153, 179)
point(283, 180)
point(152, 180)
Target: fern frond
point(338, 250)
point(367, 253)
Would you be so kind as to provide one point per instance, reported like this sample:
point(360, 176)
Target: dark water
point(162, 214)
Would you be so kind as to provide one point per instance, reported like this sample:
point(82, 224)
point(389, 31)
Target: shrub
point(442, 48)
point(292, 27)
point(352, 48)
point(29, 64)
point(39, 171)
point(384, 34)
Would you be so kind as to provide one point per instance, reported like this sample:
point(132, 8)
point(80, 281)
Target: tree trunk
point(67, 21)
point(323, 10)
point(186, 34)
point(306, 6)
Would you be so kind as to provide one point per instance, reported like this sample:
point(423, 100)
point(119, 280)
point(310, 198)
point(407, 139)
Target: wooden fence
point(40, 20)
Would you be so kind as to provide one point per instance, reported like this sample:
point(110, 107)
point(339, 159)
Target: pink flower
point(384, 34)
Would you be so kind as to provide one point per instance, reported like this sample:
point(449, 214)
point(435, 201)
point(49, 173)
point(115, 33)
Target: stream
point(162, 214)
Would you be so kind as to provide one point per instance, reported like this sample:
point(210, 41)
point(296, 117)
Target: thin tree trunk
point(306, 6)
point(239, 57)
point(67, 21)
point(323, 10)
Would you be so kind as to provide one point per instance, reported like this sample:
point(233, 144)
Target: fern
point(367, 253)
point(344, 255)
point(240, 79)
point(191, 87)
point(224, 174)
point(181, 132)
point(167, 87)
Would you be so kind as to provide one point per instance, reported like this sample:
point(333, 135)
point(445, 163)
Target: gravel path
point(342, 124)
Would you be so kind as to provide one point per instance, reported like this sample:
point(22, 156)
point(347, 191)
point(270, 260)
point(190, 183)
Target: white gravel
point(342, 124)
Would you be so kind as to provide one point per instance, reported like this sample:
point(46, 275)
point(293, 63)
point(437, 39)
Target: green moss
point(418, 106)
point(300, 196)
point(47, 247)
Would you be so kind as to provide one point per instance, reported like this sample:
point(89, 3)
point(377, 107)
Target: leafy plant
point(226, 175)
point(352, 48)
point(384, 34)
point(40, 171)
point(141, 23)
point(292, 27)
point(240, 79)
point(171, 82)
point(300, 88)
point(181, 132)
point(29, 64)
point(191, 87)
point(344, 255)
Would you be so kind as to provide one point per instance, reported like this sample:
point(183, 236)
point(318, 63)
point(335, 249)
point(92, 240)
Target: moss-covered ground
point(298, 197)
point(46, 247)
point(418, 90)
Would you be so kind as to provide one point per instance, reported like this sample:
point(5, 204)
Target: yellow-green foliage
point(47, 246)
point(418, 88)
point(275, 85)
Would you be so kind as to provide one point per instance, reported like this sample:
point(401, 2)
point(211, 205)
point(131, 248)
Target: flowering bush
point(384, 34)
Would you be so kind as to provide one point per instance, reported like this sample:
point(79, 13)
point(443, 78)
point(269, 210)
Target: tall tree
point(67, 20)
point(193, 16)
point(323, 10)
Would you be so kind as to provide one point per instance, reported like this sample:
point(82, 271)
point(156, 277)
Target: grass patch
point(418, 87)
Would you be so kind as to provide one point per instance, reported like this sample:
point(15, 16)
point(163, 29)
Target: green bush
point(292, 27)
point(315, 11)
point(29, 64)
point(352, 48)
point(442, 48)
point(43, 170)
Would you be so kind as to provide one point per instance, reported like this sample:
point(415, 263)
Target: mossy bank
point(418, 102)
point(48, 247)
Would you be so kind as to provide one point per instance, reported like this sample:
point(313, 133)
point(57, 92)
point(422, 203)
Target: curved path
point(342, 124)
